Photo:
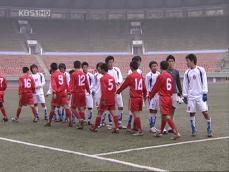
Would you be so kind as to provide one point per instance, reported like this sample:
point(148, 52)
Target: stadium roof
point(110, 4)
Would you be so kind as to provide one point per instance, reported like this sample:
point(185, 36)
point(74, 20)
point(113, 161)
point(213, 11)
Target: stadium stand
point(10, 39)
point(12, 65)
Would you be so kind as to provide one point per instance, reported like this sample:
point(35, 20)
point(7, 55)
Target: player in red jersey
point(107, 101)
point(136, 83)
point(165, 86)
point(3, 86)
point(60, 92)
point(79, 86)
point(26, 91)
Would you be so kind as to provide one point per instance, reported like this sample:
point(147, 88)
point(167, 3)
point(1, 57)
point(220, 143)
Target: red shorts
point(78, 100)
point(26, 99)
point(60, 100)
point(104, 106)
point(166, 105)
point(135, 104)
point(1, 97)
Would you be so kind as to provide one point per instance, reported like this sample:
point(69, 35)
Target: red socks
point(172, 125)
point(3, 112)
point(18, 112)
point(69, 114)
point(138, 124)
point(115, 117)
point(163, 124)
point(34, 112)
point(82, 114)
point(97, 121)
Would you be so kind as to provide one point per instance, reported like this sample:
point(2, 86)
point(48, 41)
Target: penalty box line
point(84, 154)
point(161, 146)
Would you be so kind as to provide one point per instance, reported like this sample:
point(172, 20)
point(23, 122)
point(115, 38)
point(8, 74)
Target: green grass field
point(82, 150)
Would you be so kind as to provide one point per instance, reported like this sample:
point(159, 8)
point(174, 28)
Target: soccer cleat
point(176, 136)
point(5, 119)
point(14, 119)
point(165, 131)
point(70, 124)
point(109, 127)
point(122, 127)
point(35, 120)
point(138, 134)
point(115, 131)
point(93, 129)
point(170, 131)
point(80, 125)
point(154, 130)
point(158, 134)
point(48, 124)
point(102, 125)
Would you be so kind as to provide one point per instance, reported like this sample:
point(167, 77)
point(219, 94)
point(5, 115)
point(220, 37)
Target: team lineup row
point(78, 90)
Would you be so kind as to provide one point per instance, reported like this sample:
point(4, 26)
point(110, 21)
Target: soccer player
point(26, 91)
point(115, 72)
point(39, 97)
point(107, 101)
point(136, 83)
point(165, 85)
point(177, 84)
point(89, 98)
point(60, 92)
point(79, 86)
point(3, 86)
point(153, 105)
point(138, 59)
point(195, 89)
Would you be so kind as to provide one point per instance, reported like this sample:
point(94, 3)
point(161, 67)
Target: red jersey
point(108, 89)
point(164, 85)
point(79, 82)
point(137, 85)
point(59, 82)
point(26, 84)
point(3, 83)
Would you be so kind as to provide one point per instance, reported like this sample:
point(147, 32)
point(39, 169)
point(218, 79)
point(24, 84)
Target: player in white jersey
point(39, 97)
point(116, 73)
point(89, 98)
point(195, 89)
point(153, 104)
point(138, 59)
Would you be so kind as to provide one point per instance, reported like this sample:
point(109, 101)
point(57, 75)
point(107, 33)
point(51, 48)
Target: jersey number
point(1, 81)
point(138, 84)
point(60, 79)
point(110, 84)
point(81, 80)
point(168, 84)
point(27, 83)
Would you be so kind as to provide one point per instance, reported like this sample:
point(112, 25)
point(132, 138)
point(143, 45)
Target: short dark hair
point(77, 64)
point(33, 66)
point(25, 69)
point(84, 64)
point(151, 63)
point(104, 67)
point(192, 58)
point(53, 66)
point(134, 65)
point(71, 71)
point(170, 57)
point(62, 66)
point(137, 58)
point(164, 65)
point(99, 65)
point(108, 58)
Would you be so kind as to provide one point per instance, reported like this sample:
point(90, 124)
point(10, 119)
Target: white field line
point(161, 146)
point(84, 154)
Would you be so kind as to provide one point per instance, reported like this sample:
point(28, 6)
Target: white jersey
point(39, 83)
point(151, 80)
point(195, 83)
point(116, 73)
point(90, 80)
point(138, 70)
point(67, 77)
point(96, 86)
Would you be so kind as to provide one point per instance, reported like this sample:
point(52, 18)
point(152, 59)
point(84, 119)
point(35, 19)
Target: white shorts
point(118, 100)
point(174, 99)
point(154, 103)
point(89, 101)
point(39, 98)
point(197, 104)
